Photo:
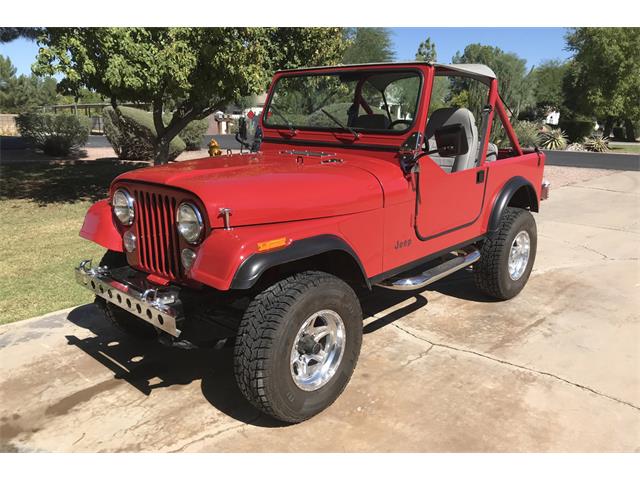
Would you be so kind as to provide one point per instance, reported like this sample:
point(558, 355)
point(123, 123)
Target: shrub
point(575, 147)
point(193, 132)
point(132, 134)
point(55, 134)
point(577, 129)
point(527, 133)
point(554, 139)
point(597, 143)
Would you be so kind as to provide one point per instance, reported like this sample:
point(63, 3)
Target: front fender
point(99, 227)
point(228, 259)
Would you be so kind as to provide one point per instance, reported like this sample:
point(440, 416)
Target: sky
point(533, 44)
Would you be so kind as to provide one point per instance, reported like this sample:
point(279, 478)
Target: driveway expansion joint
point(514, 365)
point(209, 436)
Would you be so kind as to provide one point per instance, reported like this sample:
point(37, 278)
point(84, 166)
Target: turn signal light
point(273, 244)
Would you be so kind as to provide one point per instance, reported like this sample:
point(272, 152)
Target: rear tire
point(123, 320)
point(272, 345)
point(507, 256)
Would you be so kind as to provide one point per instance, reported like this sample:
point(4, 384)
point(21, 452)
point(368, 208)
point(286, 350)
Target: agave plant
point(575, 147)
point(554, 139)
point(597, 143)
point(527, 133)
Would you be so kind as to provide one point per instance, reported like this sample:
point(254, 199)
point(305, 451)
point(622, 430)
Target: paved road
point(555, 369)
point(609, 161)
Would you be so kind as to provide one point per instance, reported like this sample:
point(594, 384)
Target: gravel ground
point(563, 176)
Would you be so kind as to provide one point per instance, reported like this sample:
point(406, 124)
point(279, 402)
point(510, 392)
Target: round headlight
point(123, 206)
point(190, 224)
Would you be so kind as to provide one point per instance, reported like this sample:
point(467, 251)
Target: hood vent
point(307, 153)
point(331, 161)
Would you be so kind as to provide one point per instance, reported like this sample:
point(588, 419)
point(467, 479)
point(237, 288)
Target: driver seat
point(453, 116)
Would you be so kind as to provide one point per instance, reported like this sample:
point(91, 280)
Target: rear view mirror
point(451, 140)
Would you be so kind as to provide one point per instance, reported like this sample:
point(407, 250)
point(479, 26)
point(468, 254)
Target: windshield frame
point(338, 71)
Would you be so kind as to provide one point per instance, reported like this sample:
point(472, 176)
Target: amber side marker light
point(273, 244)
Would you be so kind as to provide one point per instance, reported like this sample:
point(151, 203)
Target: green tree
point(7, 70)
point(547, 84)
point(514, 84)
point(8, 34)
point(604, 75)
point(440, 92)
point(368, 45)
point(195, 70)
point(23, 93)
point(427, 51)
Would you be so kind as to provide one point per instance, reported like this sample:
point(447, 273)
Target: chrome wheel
point(519, 255)
point(317, 350)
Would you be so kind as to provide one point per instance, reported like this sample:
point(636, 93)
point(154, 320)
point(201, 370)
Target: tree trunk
point(162, 151)
point(164, 134)
point(608, 126)
point(630, 131)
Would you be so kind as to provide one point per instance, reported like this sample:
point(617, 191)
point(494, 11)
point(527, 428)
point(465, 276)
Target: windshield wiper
point(356, 135)
point(286, 120)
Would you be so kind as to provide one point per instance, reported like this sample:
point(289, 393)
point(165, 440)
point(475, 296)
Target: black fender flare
point(252, 268)
point(504, 197)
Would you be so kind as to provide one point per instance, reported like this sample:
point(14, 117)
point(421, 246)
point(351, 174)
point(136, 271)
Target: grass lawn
point(625, 148)
point(42, 206)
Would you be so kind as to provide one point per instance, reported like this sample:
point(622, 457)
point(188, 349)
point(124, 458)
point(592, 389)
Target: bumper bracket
point(128, 289)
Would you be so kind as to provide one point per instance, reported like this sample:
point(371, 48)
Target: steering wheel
point(398, 122)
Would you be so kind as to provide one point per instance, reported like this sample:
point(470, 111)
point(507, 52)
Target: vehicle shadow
point(458, 285)
point(149, 365)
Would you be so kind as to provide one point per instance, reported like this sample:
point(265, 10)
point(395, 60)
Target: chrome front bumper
point(129, 290)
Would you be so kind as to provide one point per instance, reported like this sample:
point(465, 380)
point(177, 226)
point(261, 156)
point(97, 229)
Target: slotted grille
point(155, 215)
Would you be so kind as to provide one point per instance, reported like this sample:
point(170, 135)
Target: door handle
point(480, 176)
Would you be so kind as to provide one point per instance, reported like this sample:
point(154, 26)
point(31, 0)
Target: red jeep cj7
point(361, 177)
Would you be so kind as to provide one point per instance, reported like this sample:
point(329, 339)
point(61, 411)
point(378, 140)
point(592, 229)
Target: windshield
point(381, 102)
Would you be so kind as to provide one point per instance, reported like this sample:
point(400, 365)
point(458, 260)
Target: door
point(448, 201)
point(451, 189)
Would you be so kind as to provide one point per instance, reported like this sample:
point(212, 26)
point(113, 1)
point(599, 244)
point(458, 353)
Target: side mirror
point(451, 140)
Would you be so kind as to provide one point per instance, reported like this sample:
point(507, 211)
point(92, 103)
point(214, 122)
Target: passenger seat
point(452, 116)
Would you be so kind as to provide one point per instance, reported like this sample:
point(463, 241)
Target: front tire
point(507, 256)
point(298, 345)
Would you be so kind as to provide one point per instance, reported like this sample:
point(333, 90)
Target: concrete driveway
point(555, 369)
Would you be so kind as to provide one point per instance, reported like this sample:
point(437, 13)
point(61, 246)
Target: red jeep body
point(365, 201)
point(356, 201)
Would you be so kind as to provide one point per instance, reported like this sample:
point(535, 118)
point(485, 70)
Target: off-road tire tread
point(256, 334)
point(487, 269)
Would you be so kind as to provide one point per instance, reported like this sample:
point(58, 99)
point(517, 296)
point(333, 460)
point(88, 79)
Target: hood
point(270, 187)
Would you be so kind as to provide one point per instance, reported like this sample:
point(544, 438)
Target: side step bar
point(433, 274)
